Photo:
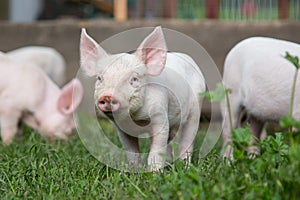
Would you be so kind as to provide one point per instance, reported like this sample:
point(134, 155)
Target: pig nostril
point(102, 102)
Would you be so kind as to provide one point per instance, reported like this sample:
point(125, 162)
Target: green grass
point(32, 168)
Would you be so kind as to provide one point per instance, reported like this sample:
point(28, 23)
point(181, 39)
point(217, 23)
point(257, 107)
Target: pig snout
point(108, 103)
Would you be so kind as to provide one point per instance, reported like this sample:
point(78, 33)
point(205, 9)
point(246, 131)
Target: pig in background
point(47, 58)
point(261, 82)
point(152, 88)
point(28, 95)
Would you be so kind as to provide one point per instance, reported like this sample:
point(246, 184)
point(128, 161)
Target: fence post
point(212, 9)
point(170, 8)
point(283, 9)
point(140, 8)
point(4, 7)
point(120, 10)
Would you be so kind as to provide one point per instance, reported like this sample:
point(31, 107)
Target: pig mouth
point(108, 112)
point(142, 123)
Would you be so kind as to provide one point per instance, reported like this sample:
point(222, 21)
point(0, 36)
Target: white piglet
point(149, 91)
point(47, 58)
point(261, 82)
point(28, 95)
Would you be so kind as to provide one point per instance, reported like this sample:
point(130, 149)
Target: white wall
point(24, 10)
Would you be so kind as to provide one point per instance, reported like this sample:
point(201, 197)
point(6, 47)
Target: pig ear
point(70, 97)
point(90, 53)
point(153, 51)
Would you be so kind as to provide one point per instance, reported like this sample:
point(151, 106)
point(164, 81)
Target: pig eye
point(134, 81)
point(100, 78)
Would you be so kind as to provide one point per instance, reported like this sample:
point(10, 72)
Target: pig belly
point(266, 101)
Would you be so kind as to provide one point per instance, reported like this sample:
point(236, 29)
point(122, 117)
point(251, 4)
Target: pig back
point(21, 86)
point(188, 70)
point(46, 58)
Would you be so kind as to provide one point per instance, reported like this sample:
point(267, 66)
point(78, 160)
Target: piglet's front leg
point(9, 126)
point(158, 148)
point(131, 146)
point(7, 134)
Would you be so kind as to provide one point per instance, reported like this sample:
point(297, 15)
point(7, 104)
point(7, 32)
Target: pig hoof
point(228, 153)
point(187, 156)
point(253, 152)
point(155, 163)
point(156, 167)
point(6, 141)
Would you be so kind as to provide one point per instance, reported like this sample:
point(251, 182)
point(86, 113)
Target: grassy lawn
point(31, 168)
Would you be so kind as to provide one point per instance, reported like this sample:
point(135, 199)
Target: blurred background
point(32, 10)
point(217, 25)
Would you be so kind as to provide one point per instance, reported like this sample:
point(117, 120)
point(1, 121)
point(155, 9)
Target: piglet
point(149, 91)
point(47, 58)
point(28, 95)
point(261, 82)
